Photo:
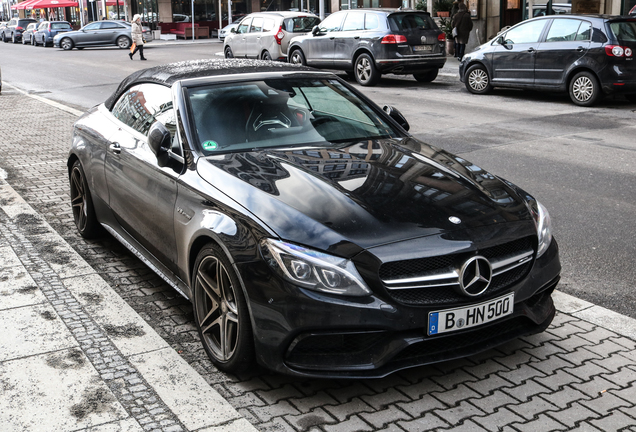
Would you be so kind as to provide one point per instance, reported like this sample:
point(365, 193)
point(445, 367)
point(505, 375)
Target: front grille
point(432, 281)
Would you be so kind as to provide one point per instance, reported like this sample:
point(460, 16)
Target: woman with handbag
point(137, 36)
point(462, 25)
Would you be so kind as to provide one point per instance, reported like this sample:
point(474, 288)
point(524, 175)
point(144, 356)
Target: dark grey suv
point(13, 31)
point(370, 42)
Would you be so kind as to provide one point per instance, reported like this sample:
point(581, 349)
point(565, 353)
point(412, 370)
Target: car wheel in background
point(43, 42)
point(365, 71)
point(220, 311)
point(66, 44)
point(266, 56)
point(23, 40)
point(228, 52)
point(82, 203)
point(33, 42)
point(297, 57)
point(123, 42)
point(477, 80)
point(13, 39)
point(584, 89)
point(427, 76)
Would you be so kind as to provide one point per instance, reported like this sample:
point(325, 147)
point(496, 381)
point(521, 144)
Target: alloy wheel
point(66, 44)
point(79, 199)
point(363, 69)
point(478, 80)
point(217, 308)
point(583, 89)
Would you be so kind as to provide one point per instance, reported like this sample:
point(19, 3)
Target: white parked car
point(266, 35)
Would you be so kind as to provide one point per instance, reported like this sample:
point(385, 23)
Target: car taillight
point(618, 51)
point(441, 37)
point(280, 34)
point(393, 39)
point(19, 28)
point(49, 27)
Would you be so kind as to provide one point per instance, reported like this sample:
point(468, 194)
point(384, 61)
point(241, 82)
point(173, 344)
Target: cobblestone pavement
point(578, 375)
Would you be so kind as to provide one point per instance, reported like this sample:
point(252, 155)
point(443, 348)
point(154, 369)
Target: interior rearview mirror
point(397, 116)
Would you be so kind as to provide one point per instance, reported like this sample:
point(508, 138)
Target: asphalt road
point(580, 162)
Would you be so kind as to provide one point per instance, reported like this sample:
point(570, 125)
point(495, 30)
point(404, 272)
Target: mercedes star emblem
point(475, 276)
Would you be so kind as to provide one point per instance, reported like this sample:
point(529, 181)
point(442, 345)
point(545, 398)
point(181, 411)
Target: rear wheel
point(33, 42)
point(23, 40)
point(43, 42)
point(477, 80)
point(266, 55)
point(297, 57)
point(220, 311)
point(584, 89)
point(82, 203)
point(228, 52)
point(4, 38)
point(427, 76)
point(365, 71)
point(123, 42)
point(66, 44)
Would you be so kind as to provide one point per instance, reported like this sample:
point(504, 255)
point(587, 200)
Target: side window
point(109, 25)
point(371, 21)
point(42, 26)
point(585, 31)
point(257, 25)
point(331, 23)
point(353, 21)
point(144, 104)
point(92, 26)
point(244, 25)
point(564, 30)
point(268, 24)
point(525, 33)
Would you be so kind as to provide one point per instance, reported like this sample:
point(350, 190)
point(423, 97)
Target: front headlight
point(543, 224)
point(314, 270)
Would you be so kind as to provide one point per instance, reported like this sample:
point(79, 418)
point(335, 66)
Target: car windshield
point(301, 24)
point(411, 21)
point(281, 113)
point(624, 30)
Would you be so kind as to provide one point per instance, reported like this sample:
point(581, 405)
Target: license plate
point(450, 320)
point(418, 48)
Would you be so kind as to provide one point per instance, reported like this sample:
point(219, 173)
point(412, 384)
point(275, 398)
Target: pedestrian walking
point(137, 36)
point(463, 24)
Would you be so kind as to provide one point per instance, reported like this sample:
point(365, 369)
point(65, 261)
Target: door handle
point(530, 49)
point(332, 37)
point(115, 148)
point(580, 49)
point(356, 37)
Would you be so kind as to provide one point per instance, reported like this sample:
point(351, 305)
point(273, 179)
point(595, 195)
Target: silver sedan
point(98, 33)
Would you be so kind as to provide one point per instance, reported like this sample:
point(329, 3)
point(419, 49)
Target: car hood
point(360, 195)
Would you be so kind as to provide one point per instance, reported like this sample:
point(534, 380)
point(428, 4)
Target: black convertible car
point(311, 232)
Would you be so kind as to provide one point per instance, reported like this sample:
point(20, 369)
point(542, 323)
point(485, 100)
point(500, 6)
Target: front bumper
point(305, 333)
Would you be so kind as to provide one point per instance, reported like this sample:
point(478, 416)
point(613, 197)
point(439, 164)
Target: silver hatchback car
point(266, 35)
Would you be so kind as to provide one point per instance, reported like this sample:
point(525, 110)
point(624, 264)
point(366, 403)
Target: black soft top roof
point(170, 73)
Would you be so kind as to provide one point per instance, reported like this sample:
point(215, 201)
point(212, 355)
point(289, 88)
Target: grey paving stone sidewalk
point(578, 375)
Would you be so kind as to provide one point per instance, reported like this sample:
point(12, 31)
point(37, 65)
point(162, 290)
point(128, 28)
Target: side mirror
point(315, 31)
point(233, 30)
point(397, 116)
point(159, 139)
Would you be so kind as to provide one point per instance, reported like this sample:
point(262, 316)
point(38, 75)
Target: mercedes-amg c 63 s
point(310, 231)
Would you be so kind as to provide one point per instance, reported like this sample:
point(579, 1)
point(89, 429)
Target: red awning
point(44, 4)
point(22, 5)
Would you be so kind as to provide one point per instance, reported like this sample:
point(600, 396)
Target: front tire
point(266, 55)
point(82, 203)
point(220, 311)
point(66, 44)
point(428, 76)
point(477, 80)
point(228, 52)
point(584, 89)
point(297, 57)
point(365, 71)
point(123, 42)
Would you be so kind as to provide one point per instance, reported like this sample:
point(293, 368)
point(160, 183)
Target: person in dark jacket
point(464, 24)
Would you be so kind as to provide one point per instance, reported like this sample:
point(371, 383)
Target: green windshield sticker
point(210, 145)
